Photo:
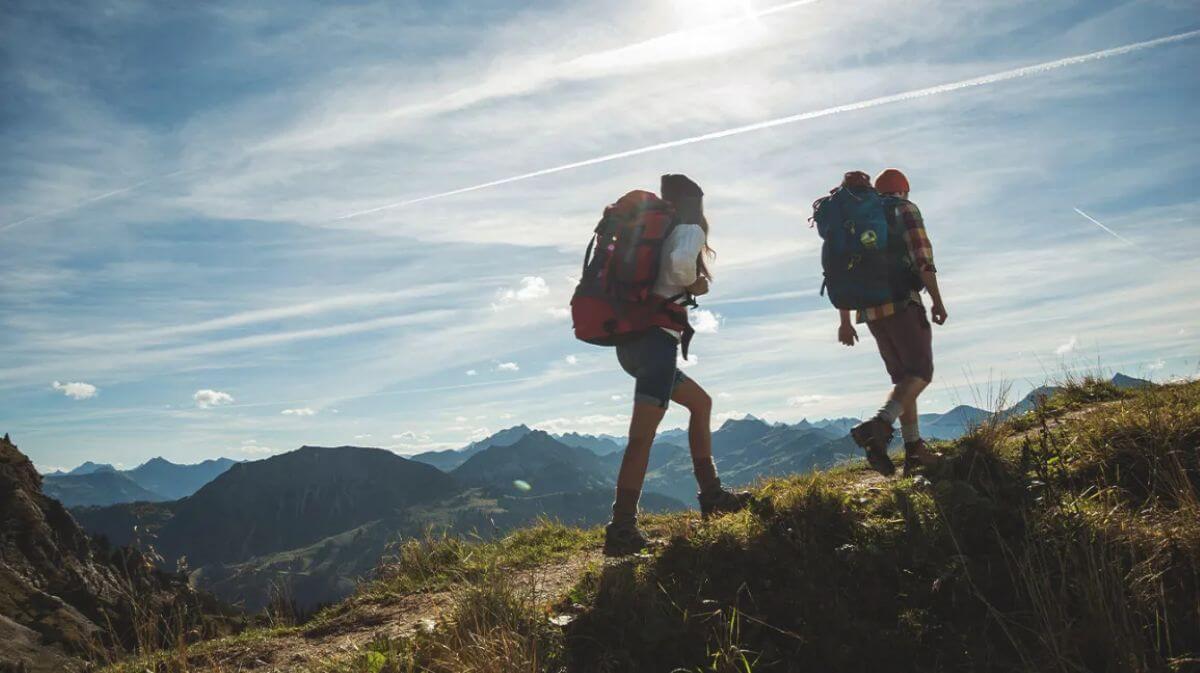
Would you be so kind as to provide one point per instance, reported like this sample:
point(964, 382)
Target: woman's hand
point(699, 287)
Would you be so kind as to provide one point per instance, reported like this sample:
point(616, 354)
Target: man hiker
point(901, 329)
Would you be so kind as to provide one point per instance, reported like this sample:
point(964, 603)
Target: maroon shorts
point(906, 343)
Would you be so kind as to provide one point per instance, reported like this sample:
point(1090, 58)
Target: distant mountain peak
point(747, 420)
point(1125, 381)
point(88, 467)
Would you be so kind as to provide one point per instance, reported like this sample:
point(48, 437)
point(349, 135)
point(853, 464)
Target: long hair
point(706, 255)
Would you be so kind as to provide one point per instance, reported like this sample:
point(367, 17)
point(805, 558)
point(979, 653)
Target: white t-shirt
point(677, 268)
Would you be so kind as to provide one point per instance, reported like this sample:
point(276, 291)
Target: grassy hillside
point(1067, 539)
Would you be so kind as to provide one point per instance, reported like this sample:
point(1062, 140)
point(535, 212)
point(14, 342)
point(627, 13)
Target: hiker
point(669, 237)
point(881, 269)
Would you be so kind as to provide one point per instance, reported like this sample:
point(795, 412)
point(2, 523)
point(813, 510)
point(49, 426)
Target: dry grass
point(1064, 540)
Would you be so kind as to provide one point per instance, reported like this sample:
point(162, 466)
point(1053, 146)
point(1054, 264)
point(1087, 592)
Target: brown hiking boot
point(874, 435)
point(917, 454)
point(721, 501)
point(622, 538)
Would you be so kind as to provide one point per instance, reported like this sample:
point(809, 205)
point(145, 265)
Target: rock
point(61, 596)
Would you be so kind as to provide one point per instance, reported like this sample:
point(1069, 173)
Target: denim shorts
point(651, 360)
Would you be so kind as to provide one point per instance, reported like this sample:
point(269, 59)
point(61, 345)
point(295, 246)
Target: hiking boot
point(622, 538)
point(721, 501)
point(917, 454)
point(874, 435)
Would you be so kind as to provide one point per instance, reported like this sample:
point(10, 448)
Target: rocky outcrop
point(65, 598)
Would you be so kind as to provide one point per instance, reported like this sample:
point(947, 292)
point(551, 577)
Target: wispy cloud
point(1067, 347)
point(301, 411)
point(939, 89)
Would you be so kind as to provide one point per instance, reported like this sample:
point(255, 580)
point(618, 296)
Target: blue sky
point(194, 262)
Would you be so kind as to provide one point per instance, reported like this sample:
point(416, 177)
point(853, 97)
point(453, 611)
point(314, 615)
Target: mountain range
point(156, 480)
point(320, 518)
point(317, 519)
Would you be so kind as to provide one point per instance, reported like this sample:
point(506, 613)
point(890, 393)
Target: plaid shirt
point(920, 254)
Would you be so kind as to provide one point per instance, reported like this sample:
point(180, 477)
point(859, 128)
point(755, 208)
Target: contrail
point(749, 15)
point(994, 78)
point(1101, 225)
point(93, 199)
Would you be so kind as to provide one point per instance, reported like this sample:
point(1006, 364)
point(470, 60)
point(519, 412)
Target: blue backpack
point(864, 263)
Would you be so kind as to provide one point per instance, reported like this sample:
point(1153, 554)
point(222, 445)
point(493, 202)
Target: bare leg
point(692, 396)
point(642, 428)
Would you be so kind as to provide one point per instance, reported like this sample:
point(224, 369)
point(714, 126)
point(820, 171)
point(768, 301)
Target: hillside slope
point(98, 488)
point(295, 499)
point(64, 598)
point(1063, 540)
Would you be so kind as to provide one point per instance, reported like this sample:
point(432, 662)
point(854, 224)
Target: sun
point(701, 13)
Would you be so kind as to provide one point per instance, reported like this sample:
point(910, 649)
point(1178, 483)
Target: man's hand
point(847, 334)
point(699, 287)
point(939, 313)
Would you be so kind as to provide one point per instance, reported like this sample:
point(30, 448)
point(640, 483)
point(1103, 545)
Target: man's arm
point(846, 332)
point(938, 310)
point(920, 250)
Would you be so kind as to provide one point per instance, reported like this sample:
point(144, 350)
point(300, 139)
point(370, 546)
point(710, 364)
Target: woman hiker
point(651, 360)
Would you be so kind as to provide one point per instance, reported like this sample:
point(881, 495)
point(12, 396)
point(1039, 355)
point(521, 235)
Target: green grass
point(439, 561)
point(1055, 541)
point(1035, 546)
point(1074, 392)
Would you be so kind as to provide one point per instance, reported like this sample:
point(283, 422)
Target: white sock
point(888, 412)
point(910, 433)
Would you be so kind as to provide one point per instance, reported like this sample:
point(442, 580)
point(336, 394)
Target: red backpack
point(613, 302)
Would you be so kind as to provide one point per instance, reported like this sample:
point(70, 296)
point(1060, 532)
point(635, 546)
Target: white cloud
point(478, 434)
point(460, 419)
point(559, 313)
point(725, 396)
point(508, 367)
point(705, 321)
point(805, 400)
point(302, 411)
point(211, 398)
point(616, 398)
point(410, 436)
point(572, 360)
point(530, 288)
point(252, 447)
point(1156, 365)
point(589, 423)
point(472, 372)
point(690, 362)
point(1067, 347)
point(77, 390)
point(366, 436)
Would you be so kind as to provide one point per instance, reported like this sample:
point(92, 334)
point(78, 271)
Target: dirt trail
point(347, 634)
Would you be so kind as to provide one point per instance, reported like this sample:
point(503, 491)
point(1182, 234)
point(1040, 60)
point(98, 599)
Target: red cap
point(891, 181)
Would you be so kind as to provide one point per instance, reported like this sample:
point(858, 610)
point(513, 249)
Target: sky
point(234, 229)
